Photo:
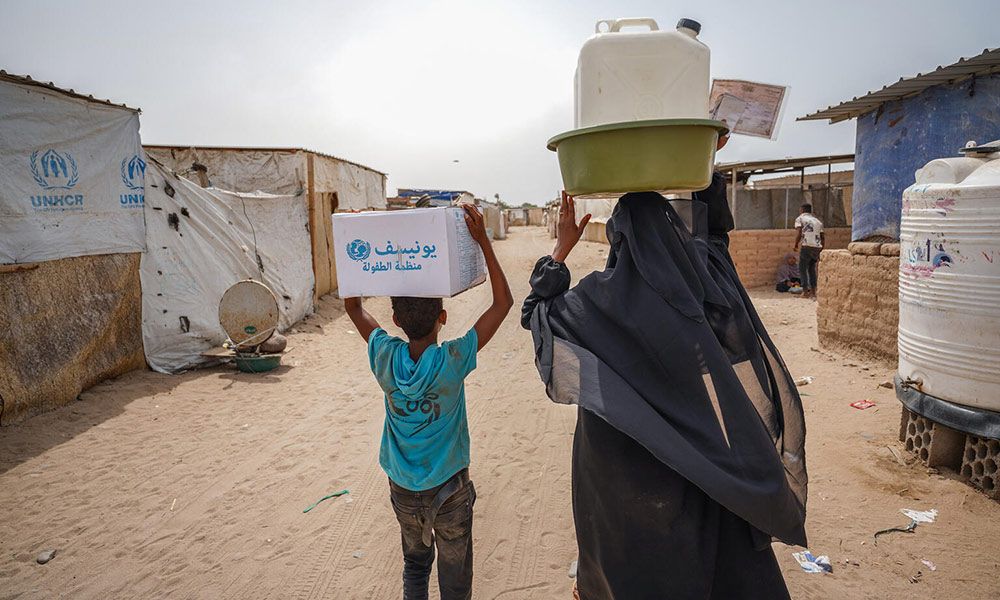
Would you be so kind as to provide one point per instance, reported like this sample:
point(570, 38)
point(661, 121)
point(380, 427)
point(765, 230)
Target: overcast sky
point(410, 87)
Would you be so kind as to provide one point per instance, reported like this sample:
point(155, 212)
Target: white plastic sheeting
point(71, 176)
point(271, 171)
point(600, 209)
point(279, 171)
point(200, 242)
point(357, 188)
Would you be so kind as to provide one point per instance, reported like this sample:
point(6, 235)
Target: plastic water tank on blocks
point(949, 280)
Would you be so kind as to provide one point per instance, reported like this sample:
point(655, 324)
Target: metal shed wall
point(903, 135)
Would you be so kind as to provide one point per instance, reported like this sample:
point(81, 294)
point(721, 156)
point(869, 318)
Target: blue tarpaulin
point(448, 195)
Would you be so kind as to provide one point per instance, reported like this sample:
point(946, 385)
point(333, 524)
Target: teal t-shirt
point(426, 435)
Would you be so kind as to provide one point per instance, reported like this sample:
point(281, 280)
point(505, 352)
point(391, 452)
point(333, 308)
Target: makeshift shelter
point(493, 217)
point(536, 216)
point(908, 123)
point(330, 184)
point(201, 241)
point(517, 217)
point(900, 128)
point(436, 197)
point(71, 228)
point(764, 210)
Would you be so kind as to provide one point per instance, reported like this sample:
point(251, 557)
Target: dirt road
point(193, 486)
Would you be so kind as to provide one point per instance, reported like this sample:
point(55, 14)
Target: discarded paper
point(920, 516)
point(813, 564)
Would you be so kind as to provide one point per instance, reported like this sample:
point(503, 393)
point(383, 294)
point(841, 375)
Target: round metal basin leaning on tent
point(248, 312)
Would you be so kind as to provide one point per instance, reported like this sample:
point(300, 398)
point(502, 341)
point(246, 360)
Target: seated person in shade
point(788, 275)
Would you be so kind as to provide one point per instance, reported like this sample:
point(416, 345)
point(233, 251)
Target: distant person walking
point(808, 243)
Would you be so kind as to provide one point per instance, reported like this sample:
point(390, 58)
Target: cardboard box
point(423, 252)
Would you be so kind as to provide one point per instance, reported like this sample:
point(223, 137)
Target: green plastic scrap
point(333, 495)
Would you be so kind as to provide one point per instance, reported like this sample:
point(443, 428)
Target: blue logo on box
point(359, 250)
point(54, 170)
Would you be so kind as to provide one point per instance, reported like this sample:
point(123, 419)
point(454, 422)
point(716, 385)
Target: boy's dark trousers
point(441, 517)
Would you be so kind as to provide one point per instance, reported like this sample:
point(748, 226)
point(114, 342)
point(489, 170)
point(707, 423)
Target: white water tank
point(949, 281)
point(624, 75)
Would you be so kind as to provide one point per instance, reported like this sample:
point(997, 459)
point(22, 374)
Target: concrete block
point(980, 464)
point(933, 443)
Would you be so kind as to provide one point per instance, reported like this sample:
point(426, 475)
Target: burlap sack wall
point(858, 312)
point(67, 324)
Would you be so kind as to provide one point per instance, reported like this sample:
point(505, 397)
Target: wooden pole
point(732, 208)
point(18, 267)
point(787, 190)
point(314, 226)
point(829, 191)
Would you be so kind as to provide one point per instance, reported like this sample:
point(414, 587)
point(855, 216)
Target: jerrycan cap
point(691, 24)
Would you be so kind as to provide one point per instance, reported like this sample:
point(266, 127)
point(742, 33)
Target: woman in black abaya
point(688, 455)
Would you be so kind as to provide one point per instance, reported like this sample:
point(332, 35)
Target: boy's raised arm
point(490, 320)
point(361, 318)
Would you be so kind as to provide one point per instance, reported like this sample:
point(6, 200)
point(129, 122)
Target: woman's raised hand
point(568, 231)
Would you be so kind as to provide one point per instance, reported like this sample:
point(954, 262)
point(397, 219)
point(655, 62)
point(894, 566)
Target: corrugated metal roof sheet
point(783, 164)
point(27, 80)
point(987, 63)
point(262, 149)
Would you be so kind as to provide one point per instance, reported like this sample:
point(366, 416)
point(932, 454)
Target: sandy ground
point(193, 486)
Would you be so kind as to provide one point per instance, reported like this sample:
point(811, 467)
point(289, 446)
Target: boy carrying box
point(425, 441)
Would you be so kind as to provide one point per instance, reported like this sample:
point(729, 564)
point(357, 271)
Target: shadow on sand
point(108, 399)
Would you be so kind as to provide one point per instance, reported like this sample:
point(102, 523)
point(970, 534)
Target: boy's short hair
point(807, 207)
point(416, 315)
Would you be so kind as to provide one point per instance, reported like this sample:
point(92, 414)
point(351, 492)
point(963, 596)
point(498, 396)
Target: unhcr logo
point(61, 202)
point(54, 170)
point(134, 177)
point(134, 172)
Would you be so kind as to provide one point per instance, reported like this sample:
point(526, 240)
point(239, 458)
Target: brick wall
point(757, 252)
point(858, 301)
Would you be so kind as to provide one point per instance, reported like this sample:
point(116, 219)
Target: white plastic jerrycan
point(642, 75)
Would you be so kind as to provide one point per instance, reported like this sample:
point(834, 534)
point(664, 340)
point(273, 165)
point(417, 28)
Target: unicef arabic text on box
point(423, 252)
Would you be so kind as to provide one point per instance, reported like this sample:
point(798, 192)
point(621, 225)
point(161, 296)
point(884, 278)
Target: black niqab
point(666, 347)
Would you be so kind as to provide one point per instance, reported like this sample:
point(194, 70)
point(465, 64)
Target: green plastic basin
point(657, 155)
point(257, 363)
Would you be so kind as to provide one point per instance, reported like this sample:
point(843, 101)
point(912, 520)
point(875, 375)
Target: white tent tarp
point(71, 176)
point(279, 172)
point(200, 242)
point(600, 209)
point(357, 188)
